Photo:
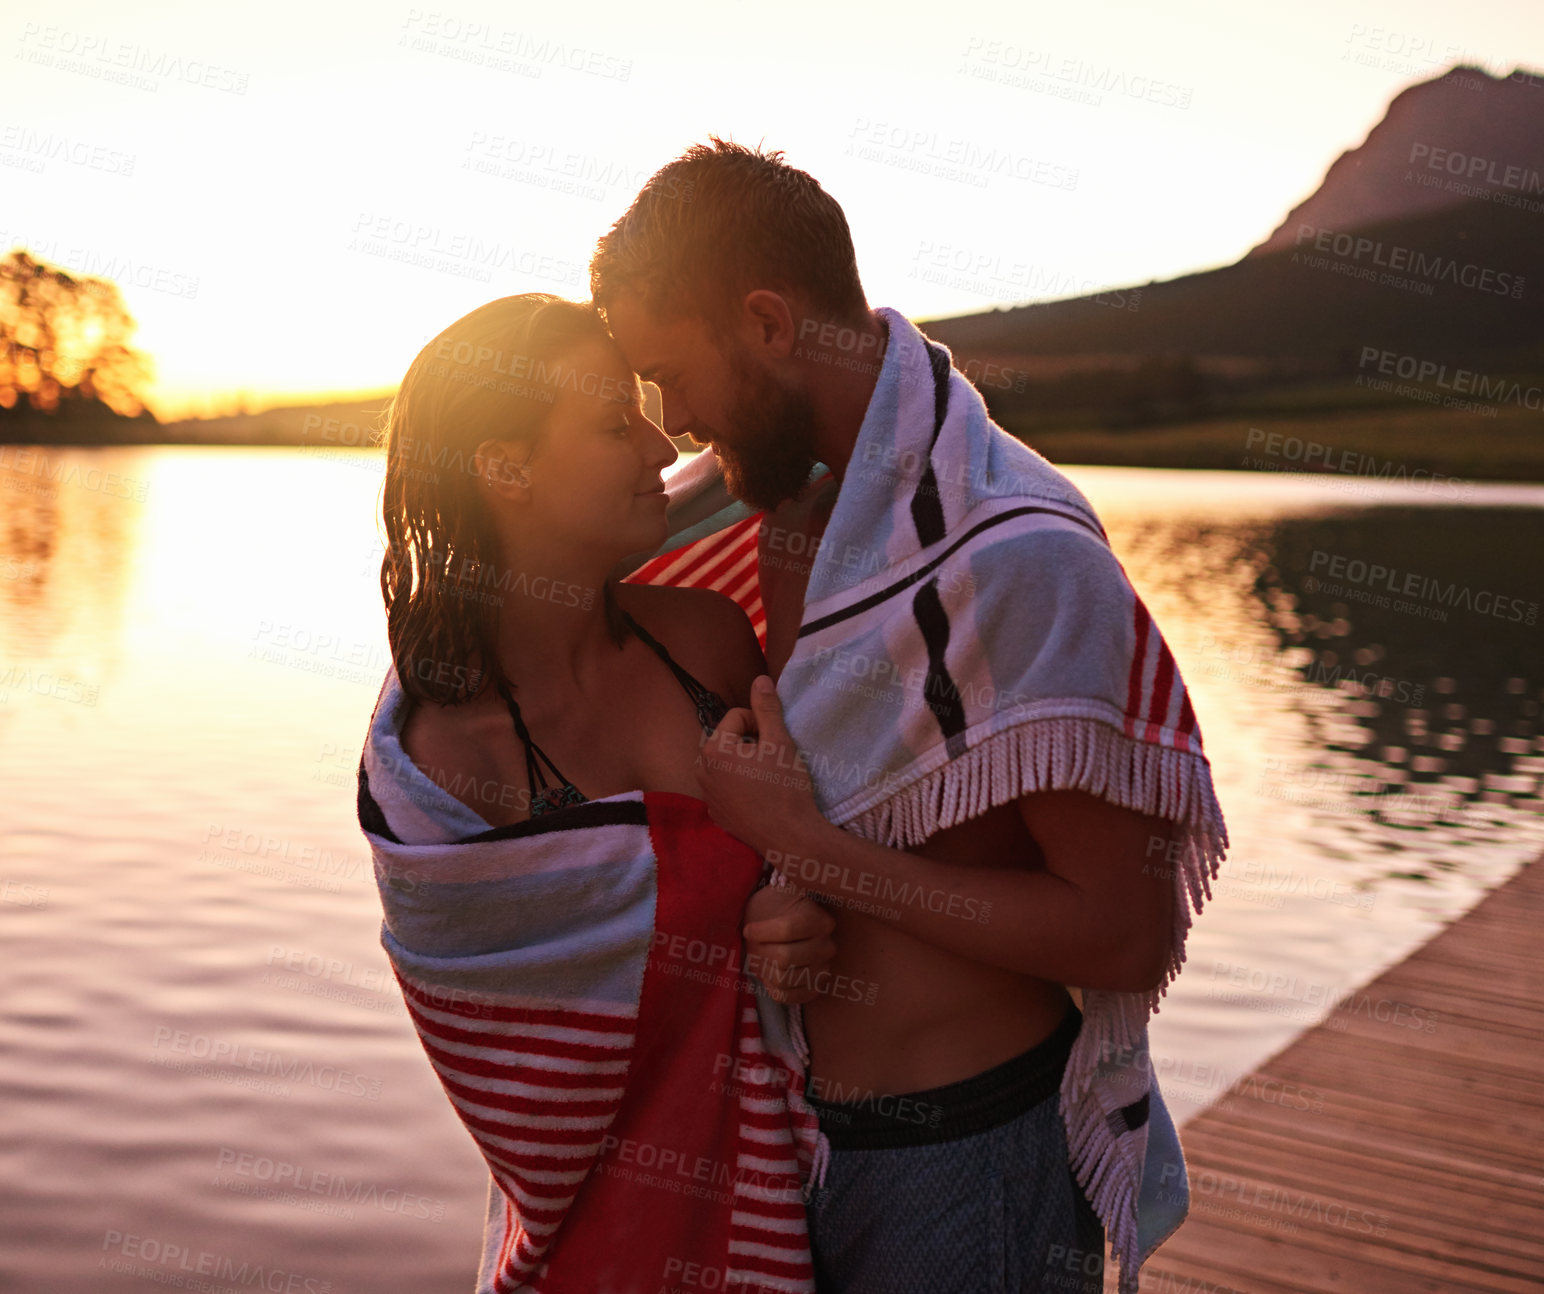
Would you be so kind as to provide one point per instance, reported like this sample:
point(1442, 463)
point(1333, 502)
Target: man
point(732, 284)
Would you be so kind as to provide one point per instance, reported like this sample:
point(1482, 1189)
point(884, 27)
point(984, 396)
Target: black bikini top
point(544, 797)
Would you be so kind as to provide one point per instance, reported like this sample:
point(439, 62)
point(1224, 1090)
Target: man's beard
point(772, 451)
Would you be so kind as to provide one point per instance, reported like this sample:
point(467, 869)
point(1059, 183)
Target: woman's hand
point(788, 942)
point(754, 779)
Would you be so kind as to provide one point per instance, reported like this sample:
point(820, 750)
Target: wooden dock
point(1423, 1170)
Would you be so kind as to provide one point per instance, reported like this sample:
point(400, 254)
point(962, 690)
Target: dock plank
point(1409, 1157)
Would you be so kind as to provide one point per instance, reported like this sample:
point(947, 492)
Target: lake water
point(206, 1065)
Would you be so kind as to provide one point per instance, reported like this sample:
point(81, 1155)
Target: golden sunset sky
point(295, 197)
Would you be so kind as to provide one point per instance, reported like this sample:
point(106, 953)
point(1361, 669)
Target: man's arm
point(1098, 915)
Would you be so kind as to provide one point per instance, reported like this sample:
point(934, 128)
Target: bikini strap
point(535, 779)
point(710, 706)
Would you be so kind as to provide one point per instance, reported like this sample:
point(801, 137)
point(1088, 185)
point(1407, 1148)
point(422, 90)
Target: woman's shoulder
point(448, 742)
point(706, 632)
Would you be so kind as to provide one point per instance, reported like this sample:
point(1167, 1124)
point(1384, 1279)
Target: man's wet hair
point(723, 220)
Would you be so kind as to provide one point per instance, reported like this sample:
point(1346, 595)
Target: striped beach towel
point(968, 636)
point(579, 985)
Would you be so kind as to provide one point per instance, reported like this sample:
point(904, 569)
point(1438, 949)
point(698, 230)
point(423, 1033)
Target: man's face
point(719, 394)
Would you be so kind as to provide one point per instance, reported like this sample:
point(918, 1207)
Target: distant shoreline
point(1387, 442)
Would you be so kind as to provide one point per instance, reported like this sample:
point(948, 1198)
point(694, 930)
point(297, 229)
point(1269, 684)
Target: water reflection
point(66, 559)
point(1416, 674)
point(1379, 769)
point(186, 669)
point(1427, 625)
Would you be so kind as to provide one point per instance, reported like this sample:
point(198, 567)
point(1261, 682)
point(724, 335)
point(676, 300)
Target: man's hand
point(788, 942)
point(753, 778)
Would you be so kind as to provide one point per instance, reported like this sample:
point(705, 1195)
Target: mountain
point(1371, 259)
point(1464, 135)
point(1460, 282)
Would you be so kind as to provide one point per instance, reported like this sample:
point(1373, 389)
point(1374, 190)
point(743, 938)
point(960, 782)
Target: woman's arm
point(788, 942)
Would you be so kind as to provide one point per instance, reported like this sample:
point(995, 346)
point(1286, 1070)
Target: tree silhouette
point(64, 342)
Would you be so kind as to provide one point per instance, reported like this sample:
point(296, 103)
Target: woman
point(563, 916)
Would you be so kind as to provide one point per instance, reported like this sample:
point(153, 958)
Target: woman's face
point(595, 478)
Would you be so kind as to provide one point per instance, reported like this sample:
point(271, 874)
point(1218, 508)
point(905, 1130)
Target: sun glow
point(294, 203)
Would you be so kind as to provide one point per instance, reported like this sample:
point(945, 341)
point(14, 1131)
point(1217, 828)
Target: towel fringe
point(1069, 753)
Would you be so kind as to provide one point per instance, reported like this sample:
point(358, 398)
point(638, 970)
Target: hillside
point(1467, 284)
point(1464, 135)
point(1379, 297)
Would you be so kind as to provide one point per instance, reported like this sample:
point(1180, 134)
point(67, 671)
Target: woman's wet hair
point(494, 374)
